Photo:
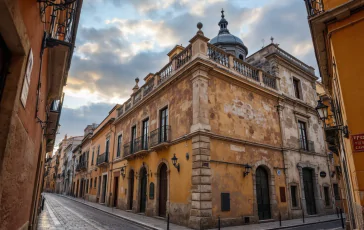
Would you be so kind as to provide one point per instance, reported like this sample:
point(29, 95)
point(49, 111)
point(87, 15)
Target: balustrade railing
point(121, 111)
point(138, 96)
point(306, 145)
point(160, 135)
point(183, 57)
point(217, 55)
point(269, 81)
point(128, 105)
point(148, 88)
point(165, 72)
point(294, 60)
point(103, 158)
point(246, 69)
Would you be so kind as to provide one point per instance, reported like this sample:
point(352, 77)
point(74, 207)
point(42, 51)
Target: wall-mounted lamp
point(123, 171)
point(247, 169)
point(174, 162)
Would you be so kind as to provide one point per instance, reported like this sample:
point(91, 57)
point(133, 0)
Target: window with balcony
point(118, 151)
point(145, 132)
point(107, 146)
point(303, 135)
point(133, 137)
point(98, 150)
point(163, 125)
point(296, 87)
point(93, 155)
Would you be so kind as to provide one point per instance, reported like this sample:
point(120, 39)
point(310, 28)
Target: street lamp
point(322, 110)
point(247, 169)
point(174, 162)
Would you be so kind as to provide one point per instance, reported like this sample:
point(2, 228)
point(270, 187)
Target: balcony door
point(107, 149)
point(303, 135)
point(309, 191)
point(145, 132)
point(163, 125)
point(133, 137)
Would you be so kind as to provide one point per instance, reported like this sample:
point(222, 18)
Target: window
point(118, 151)
point(95, 182)
point(327, 196)
point(91, 183)
point(336, 192)
point(303, 135)
point(282, 192)
point(26, 82)
point(145, 132)
point(133, 137)
point(87, 186)
point(163, 125)
point(98, 150)
point(93, 154)
point(296, 86)
point(294, 196)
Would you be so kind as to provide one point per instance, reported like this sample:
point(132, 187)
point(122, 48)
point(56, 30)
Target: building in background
point(35, 56)
point(337, 29)
point(68, 164)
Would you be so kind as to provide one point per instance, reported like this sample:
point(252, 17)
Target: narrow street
point(61, 213)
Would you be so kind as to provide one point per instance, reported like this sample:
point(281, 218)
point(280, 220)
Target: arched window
point(241, 57)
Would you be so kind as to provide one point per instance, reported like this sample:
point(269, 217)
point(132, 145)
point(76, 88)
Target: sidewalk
point(287, 223)
point(154, 223)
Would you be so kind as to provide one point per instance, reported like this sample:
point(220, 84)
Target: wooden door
point(116, 191)
point(309, 191)
point(131, 190)
point(262, 190)
point(163, 191)
point(104, 183)
point(143, 189)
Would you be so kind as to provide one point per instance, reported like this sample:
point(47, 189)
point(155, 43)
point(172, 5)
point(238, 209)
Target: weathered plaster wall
point(242, 113)
point(229, 178)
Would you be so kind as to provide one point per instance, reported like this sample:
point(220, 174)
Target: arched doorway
point(309, 191)
point(131, 189)
point(143, 189)
point(262, 191)
point(163, 190)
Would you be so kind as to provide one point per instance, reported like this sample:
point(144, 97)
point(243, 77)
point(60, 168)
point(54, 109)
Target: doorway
point(143, 189)
point(131, 189)
point(309, 191)
point(81, 188)
point(116, 191)
point(262, 190)
point(103, 192)
point(163, 189)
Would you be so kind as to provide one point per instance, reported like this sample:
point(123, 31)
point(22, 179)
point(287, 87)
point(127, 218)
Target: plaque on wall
point(322, 174)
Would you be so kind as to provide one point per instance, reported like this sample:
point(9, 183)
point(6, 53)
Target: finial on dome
point(199, 26)
point(222, 13)
point(272, 39)
point(137, 80)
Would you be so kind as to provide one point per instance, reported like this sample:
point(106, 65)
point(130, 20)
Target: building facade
point(337, 28)
point(214, 133)
point(35, 57)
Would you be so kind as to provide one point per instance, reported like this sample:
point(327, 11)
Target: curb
point(300, 225)
point(141, 224)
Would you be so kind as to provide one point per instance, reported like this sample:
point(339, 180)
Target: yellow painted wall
point(330, 4)
point(347, 50)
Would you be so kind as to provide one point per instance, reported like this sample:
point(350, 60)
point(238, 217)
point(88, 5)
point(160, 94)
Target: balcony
point(81, 166)
point(314, 7)
point(306, 145)
point(136, 147)
point(102, 160)
point(160, 138)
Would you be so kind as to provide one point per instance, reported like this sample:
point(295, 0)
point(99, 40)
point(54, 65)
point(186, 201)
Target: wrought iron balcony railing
point(160, 135)
point(139, 144)
point(306, 145)
point(102, 158)
point(314, 7)
point(82, 165)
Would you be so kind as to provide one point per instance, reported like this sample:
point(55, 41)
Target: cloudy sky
point(119, 40)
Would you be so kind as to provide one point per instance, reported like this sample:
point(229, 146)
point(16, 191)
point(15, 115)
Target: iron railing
point(160, 135)
point(314, 7)
point(183, 57)
point(139, 144)
point(306, 145)
point(82, 165)
point(103, 158)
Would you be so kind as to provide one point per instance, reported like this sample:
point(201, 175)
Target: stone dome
point(229, 42)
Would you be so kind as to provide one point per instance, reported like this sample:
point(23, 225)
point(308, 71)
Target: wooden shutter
point(282, 191)
point(225, 202)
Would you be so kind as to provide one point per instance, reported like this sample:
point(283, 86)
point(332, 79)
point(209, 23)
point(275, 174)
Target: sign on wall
point(358, 142)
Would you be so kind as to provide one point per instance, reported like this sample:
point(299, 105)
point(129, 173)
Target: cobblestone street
point(61, 213)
